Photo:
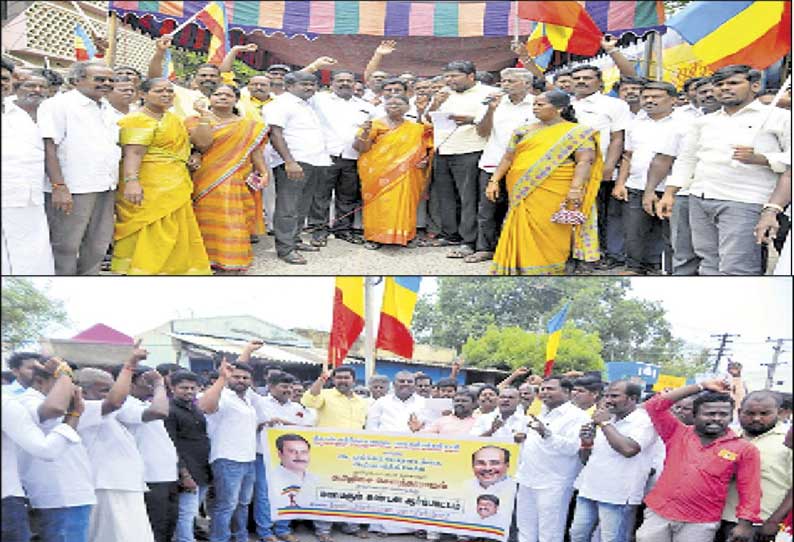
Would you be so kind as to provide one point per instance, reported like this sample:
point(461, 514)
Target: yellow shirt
point(776, 473)
point(337, 410)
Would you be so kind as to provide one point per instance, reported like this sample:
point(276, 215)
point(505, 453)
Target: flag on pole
point(722, 33)
point(396, 313)
point(83, 45)
point(213, 16)
point(554, 329)
point(348, 318)
point(539, 47)
point(568, 26)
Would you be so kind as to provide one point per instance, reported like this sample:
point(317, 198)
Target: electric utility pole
point(722, 350)
point(770, 367)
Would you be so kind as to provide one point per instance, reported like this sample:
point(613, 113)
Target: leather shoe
point(305, 247)
point(294, 258)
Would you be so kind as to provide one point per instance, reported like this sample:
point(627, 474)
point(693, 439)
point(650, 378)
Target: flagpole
point(183, 25)
point(369, 329)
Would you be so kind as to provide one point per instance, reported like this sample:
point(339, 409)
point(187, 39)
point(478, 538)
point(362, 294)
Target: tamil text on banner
point(463, 486)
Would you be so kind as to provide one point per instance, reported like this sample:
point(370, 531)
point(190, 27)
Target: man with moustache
point(505, 422)
point(610, 117)
point(506, 111)
point(378, 386)
point(297, 136)
point(626, 434)
point(340, 114)
point(667, 146)
point(758, 417)
point(549, 464)
point(455, 170)
point(458, 423)
point(628, 89)
point(26, 236)
point(82, 163)
point(6, 76)
point(686, 503)
point(731, 166)
point(647, 236)
point(292, 484)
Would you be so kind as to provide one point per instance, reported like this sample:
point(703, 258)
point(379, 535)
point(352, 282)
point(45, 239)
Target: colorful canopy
point(393, 18)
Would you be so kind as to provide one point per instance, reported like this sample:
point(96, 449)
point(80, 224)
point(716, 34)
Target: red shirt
point(694, 482)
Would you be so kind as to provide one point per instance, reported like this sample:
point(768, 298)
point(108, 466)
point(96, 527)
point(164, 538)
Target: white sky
point(755, 307)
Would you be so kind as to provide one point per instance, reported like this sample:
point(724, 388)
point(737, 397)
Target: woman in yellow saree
point(232, 161)
point(392, 167)
point(156, 231)
point(553, 173)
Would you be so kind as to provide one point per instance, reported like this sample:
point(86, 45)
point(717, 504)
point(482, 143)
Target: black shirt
point(188, 429)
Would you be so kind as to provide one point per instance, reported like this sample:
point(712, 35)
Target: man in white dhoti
point(26, 248)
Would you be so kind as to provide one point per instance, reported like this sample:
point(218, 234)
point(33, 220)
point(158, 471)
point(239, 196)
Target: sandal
point(349, 237)
point(324, 538)
point(319, 242)
point(479, 256)
point(372, 245)
point(362, 533)
point(462, 252)
point(441, 242)
point(289, 537)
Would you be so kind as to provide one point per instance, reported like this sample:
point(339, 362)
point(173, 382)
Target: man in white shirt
point(647, 236)
point(341, 115)
point(549, 464)
point(620, 446)
point(506, 111)
point(120, 513)
point(455, 171)
point(158, 451)
point(7, 75)
point(82, 162)
point(610, 116)
point(231, 426)
point(505, 422)
point(21, 435)
point(26, 235)
point(393, 413)
point(292, 484)
point(296, 135)
point(730, 164)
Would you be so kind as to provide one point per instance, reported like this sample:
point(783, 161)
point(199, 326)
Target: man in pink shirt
point(458, 423)
point(686, 503)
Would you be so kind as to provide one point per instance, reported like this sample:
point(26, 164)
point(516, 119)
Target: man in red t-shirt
point(686, 503)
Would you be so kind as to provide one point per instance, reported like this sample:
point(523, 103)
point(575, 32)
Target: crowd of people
point(543, 177)
point(134, 453)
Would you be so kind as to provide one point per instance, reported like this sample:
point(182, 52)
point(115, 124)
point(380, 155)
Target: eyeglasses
point(102, 79)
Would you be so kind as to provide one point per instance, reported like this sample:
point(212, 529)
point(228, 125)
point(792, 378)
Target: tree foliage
point(464, 307)
point(687, 364)
point(511, 347)
point(27, 313)
point(186, 64)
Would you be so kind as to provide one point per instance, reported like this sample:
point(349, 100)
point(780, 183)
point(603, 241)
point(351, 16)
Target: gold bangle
point(73, 414)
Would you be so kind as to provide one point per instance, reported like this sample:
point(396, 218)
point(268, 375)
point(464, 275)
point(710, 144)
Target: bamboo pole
point(113, 26)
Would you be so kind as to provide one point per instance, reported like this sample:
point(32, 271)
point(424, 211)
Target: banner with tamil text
point(463, 486)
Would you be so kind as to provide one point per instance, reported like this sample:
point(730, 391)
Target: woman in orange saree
point(395, 154)
point(553, 171)
point(232, 161)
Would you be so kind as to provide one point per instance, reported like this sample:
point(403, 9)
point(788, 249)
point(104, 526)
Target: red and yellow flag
point(568, 26)
point(396, 313)
point(348, 318)
point(214, 18)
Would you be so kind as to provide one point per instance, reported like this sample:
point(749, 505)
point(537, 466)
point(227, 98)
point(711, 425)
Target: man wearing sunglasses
point(82, 163)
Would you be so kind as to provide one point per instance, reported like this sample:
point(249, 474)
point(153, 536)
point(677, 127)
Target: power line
point(772, 366)
point(722, 350)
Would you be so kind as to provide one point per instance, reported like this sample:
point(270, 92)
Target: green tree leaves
point(27, 313)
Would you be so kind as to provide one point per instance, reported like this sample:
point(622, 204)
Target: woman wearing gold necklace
point(395, 154)
point(232, 161)
point(156, 231)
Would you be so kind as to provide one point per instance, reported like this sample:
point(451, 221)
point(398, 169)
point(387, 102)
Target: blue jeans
point(15, 526)
point(69, 524)
point(188, 510)
point(264, 525)
point(234, 487)
point(612, 518)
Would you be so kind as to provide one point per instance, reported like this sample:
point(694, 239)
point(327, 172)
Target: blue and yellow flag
point(396, 313)
point(554, 329)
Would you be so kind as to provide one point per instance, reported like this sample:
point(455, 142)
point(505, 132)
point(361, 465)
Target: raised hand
point(247, 48)
point(608, 43)
point(718, 385)
point(225, 369)
point(163, 43)
point(386, 47)
point(138, 354)
point(254, 344)
point(324, 62)
point(77, 405)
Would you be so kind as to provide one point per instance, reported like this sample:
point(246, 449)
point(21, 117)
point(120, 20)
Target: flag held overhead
point(568, 26)
point(348, 318)
point(554, 329)
point(397, 311)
